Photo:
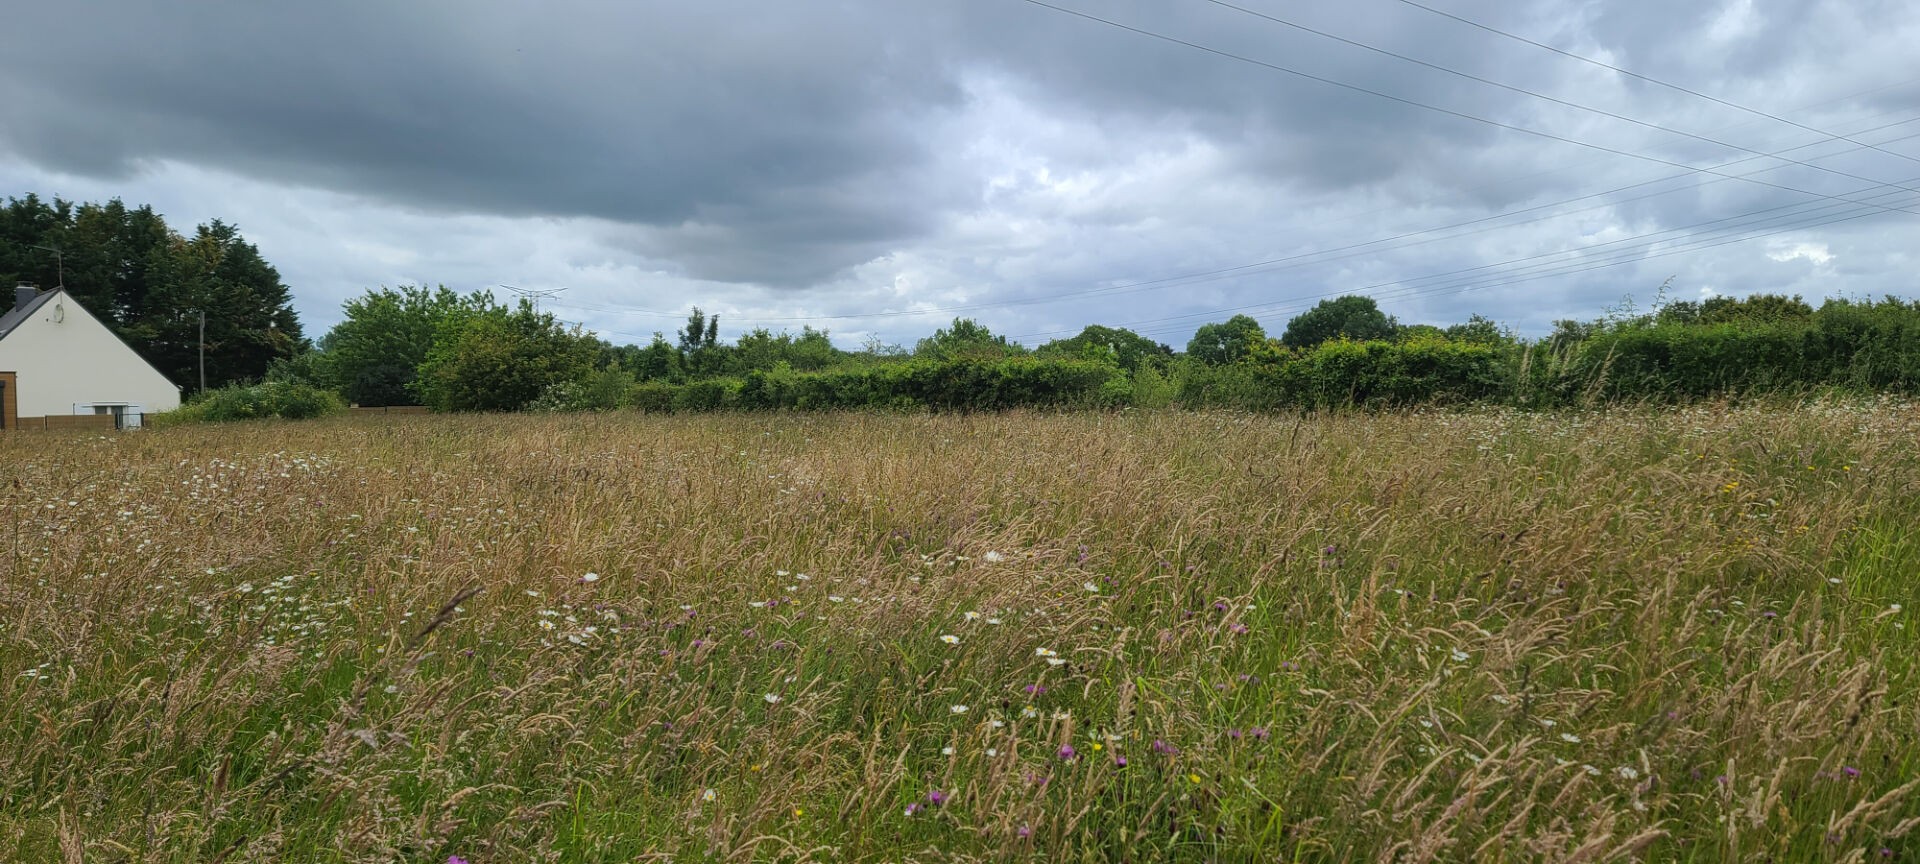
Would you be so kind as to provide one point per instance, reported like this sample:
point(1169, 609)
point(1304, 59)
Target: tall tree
point(374, 353)
point(1128, 349)
point(500, 359)
point(1221, 343)
point(249, 314)
point(1350, 317)
point(966, 339)
point(150, 285)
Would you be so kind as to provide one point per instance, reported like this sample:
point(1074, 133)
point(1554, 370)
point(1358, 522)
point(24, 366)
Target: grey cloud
point(818, 156)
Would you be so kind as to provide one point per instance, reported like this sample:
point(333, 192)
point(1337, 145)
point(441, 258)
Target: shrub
point(950, 385)
point(655, 396)
point(599, 390)
point(256, 401)
point(498, 359)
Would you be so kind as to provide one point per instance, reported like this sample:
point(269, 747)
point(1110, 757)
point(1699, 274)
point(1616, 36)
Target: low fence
point(134, 420)
point(67, 422)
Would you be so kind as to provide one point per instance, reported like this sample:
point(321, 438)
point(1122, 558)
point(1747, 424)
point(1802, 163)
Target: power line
point(1561, 268)
point(1296, 260)
point(1647, 78)
point(1277, 304)
point(1415, 103)
point(534, 294)
point(1537, 95)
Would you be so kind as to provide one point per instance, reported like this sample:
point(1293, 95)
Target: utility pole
point(203, 350)
point(534, 294)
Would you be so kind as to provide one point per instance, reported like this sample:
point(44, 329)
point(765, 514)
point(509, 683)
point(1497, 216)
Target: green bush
point(500, 359)
point(1426, 370)
point(599, 390)
point(655, 396)
point(254, 402)
point(947, 385)
point(713, 394)
point(1422, 371)
point(1244, 386)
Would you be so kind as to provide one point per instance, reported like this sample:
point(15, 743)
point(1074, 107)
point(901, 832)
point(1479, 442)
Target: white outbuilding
point(58, 360)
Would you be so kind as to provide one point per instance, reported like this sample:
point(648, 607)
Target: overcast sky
point(783, 162)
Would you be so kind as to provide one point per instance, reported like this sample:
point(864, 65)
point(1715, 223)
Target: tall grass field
point(1619, 635)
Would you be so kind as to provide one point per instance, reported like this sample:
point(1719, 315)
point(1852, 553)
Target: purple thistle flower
point(1259, 733)
point(455, 859)
point(1234, 734)
point(1850, 771)
point(1119, 761)
point(1238, 627)
point(936, 798)
point(913, 808)
point(1023, 832)
point(1164, 748)
point(1067, 753)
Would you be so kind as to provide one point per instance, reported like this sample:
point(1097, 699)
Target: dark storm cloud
point(800, 126)
point(656, 115)
point(862, 155)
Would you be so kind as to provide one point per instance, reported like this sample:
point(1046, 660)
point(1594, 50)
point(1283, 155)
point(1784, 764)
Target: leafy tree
point(762, 350)
point(1129, 349)
point(1419, 333)
point(966, 339)
point(700, 333)
point(657, 362)
point(1678, 312)
point(249, 313)
point(1218, 344)
point(1758, 308)
point(150, 285)
point(1479, 330)
point(374, 354)
point(1351, 317)
point(493, 358)
point(1569, 334)
point(27, 223)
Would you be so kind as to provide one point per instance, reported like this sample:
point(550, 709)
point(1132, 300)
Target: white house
point(57, 359)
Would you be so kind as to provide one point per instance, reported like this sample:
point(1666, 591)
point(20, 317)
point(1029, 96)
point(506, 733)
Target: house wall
point(62, 355)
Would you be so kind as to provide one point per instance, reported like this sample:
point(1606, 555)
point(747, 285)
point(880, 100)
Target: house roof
point(21, 313)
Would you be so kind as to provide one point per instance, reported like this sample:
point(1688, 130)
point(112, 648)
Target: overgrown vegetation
point(271, 400)
point(151, 284)
point(470, 353)
point(1649, 634)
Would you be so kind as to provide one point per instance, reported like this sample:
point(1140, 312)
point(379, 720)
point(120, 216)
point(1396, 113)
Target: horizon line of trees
point(454, 352)
point(150, 284)
point(470, 352)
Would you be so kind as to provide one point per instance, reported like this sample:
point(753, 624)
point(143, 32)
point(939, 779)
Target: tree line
point(471, 352)
point(151, 284)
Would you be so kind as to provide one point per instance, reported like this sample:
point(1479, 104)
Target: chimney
point(23, 293)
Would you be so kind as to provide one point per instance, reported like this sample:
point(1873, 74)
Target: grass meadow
point(1621, 635)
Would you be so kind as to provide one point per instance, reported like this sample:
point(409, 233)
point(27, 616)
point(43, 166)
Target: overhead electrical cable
point(1298, 260)
point(1631, 255)
point(1424, 105)
point(1535, 94)
point(1647, 78)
